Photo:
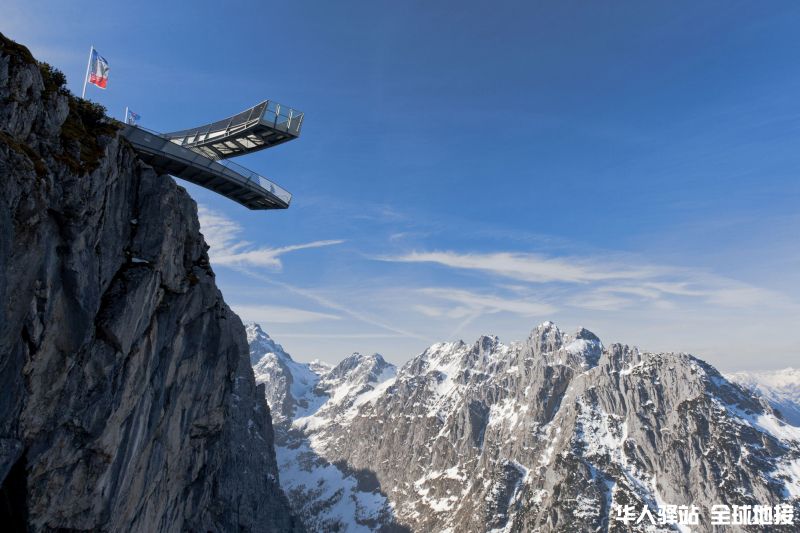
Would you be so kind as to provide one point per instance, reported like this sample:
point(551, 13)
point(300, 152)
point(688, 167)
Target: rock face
point(326, 496)
point(127, 401)
point(549, 434)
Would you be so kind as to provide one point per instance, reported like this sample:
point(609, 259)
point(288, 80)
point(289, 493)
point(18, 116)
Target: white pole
point(88, 66)
point(125, 120)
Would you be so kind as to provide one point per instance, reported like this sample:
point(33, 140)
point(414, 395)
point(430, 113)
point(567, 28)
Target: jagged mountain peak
point(546, 337)
point(550, 345)
point(261, 343)
point(288, 385)
point(546, 344)
point(358, 367)
point(585, 334)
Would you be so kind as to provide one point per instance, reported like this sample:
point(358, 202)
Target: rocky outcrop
point(555, 433)
point(285, 382)
point(326, 496)
point(127, 401)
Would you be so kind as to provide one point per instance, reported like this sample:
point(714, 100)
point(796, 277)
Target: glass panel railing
point(283, 118)
point(257, 179)
point(161, 143)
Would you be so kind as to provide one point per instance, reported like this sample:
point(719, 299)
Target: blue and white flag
point(132, 118)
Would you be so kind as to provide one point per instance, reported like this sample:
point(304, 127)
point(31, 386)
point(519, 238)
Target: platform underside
point(252, 191)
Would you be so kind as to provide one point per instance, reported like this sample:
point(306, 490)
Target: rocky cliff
point(555, 433)
point(127, 401)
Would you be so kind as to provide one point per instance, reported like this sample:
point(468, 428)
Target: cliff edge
point(127, 401)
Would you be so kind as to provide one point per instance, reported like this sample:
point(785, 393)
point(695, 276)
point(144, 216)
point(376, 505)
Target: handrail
point(238, 170)
point(270, 112)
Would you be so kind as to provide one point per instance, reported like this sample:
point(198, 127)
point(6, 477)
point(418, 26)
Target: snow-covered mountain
point(304, 397)
point(288, 385)
point(781, 388)
point(549, 434)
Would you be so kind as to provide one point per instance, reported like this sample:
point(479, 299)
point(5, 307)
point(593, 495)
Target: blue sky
point(464, 168)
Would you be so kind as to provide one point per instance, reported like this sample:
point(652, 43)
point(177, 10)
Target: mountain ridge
point(548, 433)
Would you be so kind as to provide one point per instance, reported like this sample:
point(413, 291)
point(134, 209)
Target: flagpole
point(126, 115)
point(88, 66)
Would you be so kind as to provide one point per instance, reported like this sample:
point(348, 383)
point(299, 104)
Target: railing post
point(251, 113)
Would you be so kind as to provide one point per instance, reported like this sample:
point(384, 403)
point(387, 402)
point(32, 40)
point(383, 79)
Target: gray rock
point(127, 401)
point(550, 434)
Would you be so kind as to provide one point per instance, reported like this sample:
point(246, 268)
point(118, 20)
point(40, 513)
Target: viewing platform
point(200, 155)
point(262, 126)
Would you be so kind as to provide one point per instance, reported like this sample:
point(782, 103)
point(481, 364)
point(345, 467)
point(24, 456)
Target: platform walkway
point(200, 155)
point(221, 176)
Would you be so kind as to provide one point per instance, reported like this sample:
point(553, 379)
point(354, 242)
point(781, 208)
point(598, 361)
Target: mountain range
point(555, 433)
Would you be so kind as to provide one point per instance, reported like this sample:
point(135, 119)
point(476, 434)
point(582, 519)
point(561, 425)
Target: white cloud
point(471, 302)
point(596, 283)
point(713, 290)
point(531, 267)
point(227, 248)
point(598, 301)
point(328, 336)
point(433, 311)
point(333, 304)
point(623, 297)
point(271, 314)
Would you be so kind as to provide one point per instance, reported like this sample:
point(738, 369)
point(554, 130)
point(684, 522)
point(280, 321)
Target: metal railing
point(190, 157)
point(268, 112)
point(283, 118)
point(259, 180)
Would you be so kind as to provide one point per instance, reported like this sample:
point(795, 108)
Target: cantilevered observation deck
point(199, 155)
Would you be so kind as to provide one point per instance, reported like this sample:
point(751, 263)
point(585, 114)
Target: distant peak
point(261, 343)
point(356, 361)
point(255, 330)
point(487, 343)
point(546, 337)
point(586, 335)
point(358, 369)
point(581, 350)
point(358, 356)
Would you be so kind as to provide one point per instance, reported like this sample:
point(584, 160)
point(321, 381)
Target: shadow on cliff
point(13, 498)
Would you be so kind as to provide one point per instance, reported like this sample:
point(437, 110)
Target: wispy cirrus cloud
point(470, 302)
point(591, 282)
point(466, 306)
point(531, 267)
point(273, 314)
point(332, 304)
point(223, 236)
